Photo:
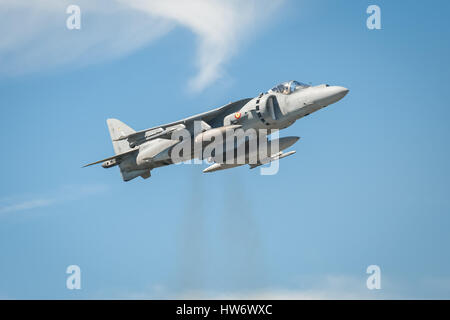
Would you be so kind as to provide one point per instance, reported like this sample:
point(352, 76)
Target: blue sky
point(368, 184)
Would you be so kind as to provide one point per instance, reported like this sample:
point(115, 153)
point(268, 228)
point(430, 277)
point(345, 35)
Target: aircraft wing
point(208, 116)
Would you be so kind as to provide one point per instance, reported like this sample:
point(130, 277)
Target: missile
point(278, 156)
point(283, 143)
point(220, 166)
point(223, 166)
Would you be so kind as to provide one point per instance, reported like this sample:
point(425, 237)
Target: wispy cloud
point(319, 287)
point(26, 205)
point(38, 39)
point(35, 36)
point(313, 288)
point(15, 204)
point(275, 294)
point(219, 25)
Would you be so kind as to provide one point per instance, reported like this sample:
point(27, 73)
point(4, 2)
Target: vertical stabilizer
point(119, 129)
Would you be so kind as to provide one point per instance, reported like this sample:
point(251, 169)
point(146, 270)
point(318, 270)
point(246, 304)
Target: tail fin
point(119, 129)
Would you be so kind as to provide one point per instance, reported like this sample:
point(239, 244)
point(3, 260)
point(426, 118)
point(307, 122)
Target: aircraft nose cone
point(336, 93)
point(341, 91)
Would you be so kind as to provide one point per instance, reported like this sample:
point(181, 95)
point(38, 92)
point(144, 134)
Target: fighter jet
point(139, 152)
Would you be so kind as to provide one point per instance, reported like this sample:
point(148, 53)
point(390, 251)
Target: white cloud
point(336, 287)
point(66, 193)
point(26, 205)
point(34, 35)
point(273, 294)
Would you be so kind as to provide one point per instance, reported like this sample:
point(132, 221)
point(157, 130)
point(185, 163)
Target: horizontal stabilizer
point(116, 157)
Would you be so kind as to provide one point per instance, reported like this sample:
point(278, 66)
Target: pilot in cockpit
point(289, 87)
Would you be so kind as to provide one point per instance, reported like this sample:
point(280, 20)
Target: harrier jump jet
point(138, 152)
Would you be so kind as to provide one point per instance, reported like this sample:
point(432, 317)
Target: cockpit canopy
point(289, 86)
